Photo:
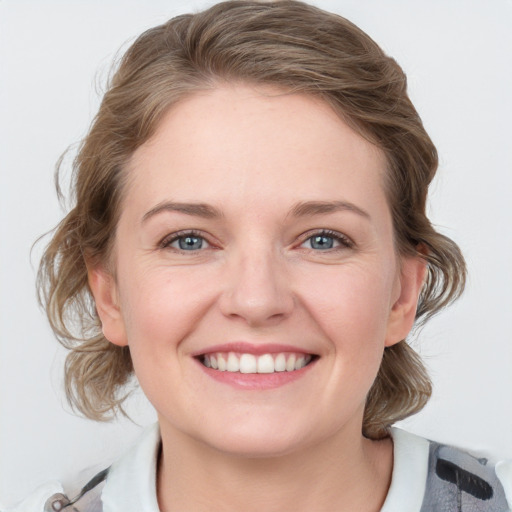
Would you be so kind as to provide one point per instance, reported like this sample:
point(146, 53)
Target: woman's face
point(257, 282)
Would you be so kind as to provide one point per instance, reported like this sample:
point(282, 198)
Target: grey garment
point(459, 482)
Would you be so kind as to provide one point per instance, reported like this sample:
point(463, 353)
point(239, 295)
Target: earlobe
point(403, 311)
point(104, 291)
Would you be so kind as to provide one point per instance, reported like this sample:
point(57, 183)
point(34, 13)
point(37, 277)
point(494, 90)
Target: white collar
point(409, 478)
point(131, 482)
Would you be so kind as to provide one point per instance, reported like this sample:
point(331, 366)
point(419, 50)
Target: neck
point(344, 473)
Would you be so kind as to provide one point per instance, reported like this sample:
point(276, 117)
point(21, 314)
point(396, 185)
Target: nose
point(257, 289)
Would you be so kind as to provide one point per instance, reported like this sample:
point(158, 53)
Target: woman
point(250, 224)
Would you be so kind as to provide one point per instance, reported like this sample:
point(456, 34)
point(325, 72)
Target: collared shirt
point(423, 473)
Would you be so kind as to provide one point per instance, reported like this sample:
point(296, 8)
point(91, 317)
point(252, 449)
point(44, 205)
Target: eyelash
point(344, 241)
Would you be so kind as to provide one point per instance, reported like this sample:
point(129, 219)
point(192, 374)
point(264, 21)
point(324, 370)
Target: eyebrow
point(196, 209)
point(310, 208)
point(302, 209)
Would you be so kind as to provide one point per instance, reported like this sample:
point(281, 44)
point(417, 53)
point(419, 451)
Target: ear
point(403, 312)
point(105, 293)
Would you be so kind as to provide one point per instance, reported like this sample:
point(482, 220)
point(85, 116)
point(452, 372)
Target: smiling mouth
point(234, 362)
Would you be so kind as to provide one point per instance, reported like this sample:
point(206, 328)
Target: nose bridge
point(257, 288)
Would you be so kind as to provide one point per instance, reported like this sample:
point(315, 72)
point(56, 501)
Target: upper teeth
point(249, 363)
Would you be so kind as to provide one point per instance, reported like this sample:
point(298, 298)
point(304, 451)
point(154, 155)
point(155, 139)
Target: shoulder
point(52, 497)
point(452, 478)
point(469, 482)
point(36, 501)
point(128, 485)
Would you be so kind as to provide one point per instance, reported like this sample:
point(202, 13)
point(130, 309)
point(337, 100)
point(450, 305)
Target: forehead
point(254, 143)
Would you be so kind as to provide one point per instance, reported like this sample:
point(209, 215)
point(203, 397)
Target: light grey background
point(457, 57)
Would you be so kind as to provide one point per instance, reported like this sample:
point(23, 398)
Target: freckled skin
point(257, 278)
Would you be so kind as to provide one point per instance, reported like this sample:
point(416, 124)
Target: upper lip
point(251, 348)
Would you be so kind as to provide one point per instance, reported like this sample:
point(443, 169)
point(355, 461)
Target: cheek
point(352, 305)
point(160, 311)
point(353, 311)
point(162, 305)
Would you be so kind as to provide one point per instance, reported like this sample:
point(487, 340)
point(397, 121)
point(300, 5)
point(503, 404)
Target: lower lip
point(256, 381)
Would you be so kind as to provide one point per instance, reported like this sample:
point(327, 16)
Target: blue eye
point(189, 243)
point(326, 240)
point(185, 242)
point(321, 242)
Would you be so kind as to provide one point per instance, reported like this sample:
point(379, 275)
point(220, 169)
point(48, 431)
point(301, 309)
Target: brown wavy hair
point(300, 49)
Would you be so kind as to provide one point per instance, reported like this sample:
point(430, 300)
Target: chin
point(260, 438)
point(258, 446)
